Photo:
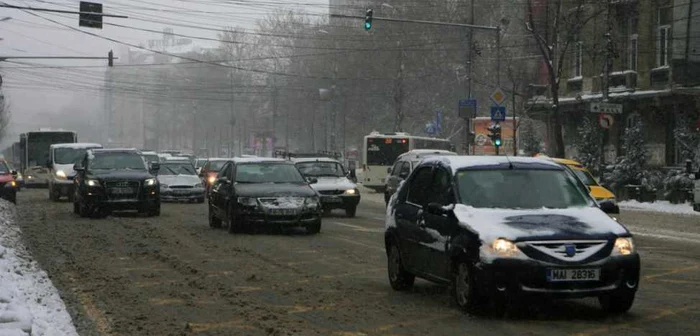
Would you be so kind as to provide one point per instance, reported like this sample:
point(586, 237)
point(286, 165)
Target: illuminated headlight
point(601, 200)
point(312, 202)
point(198, 185)
point(12, 184)
point(92, 183)
point(150, 182)
point(211, 179)
point(504, 248)
point(248, 201)
point(623, 246)
point(29, 177)
point(351, 192)
point(61, 174)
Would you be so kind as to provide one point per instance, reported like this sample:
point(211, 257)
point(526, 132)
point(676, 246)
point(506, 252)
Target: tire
point(232, 226)
point(214, 222)
point(350, 212)
point(617, 302)
point(696, 207)
point(399, 278)
point(83, 210)
point(327, 212)
point(314, 228)
point(13, 199)
point(464, 288)
point(53, 195)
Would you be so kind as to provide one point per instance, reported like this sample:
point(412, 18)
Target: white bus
point(379, 151)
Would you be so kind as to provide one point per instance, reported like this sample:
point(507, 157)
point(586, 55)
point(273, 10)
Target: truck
point(35, 154)
point(62, 158)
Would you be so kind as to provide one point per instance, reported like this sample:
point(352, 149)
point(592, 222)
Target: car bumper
point(144, 200)
point(339, 201)
point(8, 193)
point(65, 187)
point(264, 219)
point(189, 195)
point(529, 278)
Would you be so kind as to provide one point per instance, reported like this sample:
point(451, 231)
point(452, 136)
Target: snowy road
point(174, 275)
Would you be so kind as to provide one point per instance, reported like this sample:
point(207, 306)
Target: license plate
point(333, 199)
point(587, 274)
point(284, 212)
point(181, 192)
point(121, 191)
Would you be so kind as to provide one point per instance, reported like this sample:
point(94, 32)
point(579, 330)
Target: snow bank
point(659, 206)
point(29, 303)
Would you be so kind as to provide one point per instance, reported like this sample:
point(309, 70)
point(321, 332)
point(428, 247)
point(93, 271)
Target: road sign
point(498, 113)
point(606, 108)
point(481, 139)
point(498, 96)
point(467, 108)
point(430, 128)
point(90, 20)
point(606, 120)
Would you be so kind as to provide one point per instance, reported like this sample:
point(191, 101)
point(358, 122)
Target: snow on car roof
point(114, 150)
point(257, 160)
point(469, 161)
point(315, 159)
point(218, 159)
point(77, 145)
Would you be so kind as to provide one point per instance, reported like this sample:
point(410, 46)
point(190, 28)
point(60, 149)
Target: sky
point(25, 34)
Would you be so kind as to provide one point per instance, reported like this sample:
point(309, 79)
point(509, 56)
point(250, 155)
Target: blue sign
point(467, 108)
point(498, 113)
point(430, 128)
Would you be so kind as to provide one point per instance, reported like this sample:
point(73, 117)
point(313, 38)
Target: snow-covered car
point(500, 228)
point(333, 183)
point(62, 157)
point(179, 181)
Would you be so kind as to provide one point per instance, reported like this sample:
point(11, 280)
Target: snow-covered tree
point(630, 167)
point(589, 145)
point(688, 140)
point(530, 141)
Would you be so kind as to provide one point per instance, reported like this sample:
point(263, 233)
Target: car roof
point(418, 153)
point(76, 145)
point(115, 150)
point(259, 160)
point(149, 153)
point(219, 159)
point(567, 162)
point(315, 159)
point(177, 158)
point(475, 161)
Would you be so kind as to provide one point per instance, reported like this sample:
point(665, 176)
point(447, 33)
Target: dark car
point(114, 180)
point(498, 229)
point(257, 192)
point(210, 170)
point(8, 185)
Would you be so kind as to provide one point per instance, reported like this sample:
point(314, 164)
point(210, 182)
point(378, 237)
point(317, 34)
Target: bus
point(34, 153)
point(381, 150)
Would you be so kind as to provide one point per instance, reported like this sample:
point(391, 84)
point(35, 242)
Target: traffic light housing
point(495, 135)
point(110, 58)
point(368, 19)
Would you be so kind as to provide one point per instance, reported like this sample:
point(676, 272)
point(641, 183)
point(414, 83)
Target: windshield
point(68, 155)
point(585, 177)
point(117, 161)
point(268, 173)
point(4, 168)
point(319, 169)
point(176, 169)
point(519, 189)
point(215, 166)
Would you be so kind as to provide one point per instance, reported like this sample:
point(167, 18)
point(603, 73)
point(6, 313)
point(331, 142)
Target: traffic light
point(368, 19)
point(495, 136)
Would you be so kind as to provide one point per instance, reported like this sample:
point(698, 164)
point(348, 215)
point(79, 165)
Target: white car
point(179, 182)
point(337, 191)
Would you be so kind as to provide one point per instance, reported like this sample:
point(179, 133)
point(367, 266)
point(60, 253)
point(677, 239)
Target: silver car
point(180, 182)
point(337, 191)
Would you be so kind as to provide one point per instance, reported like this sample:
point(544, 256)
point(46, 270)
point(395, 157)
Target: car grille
point(571, 251)
point(180, 187)
point(331, 192)
point(282, 202)
point(116, 190)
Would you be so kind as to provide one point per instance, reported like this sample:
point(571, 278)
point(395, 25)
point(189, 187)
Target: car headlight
point(248, 201)
point(92, 183)
point(198, 185)
point(611, 200)
point(13, 184)
point(623, 246)
point(150, 182)
point(351, 192)
point(312, 202)
point(29, 177)
point(505, 248)
point(211, 179)
point(60, 174)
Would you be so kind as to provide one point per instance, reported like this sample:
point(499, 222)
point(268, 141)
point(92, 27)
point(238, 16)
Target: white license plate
point(121, 191)
point(583, 274)
point(332, 199)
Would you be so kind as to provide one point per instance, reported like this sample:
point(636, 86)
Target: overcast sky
point(28, 35)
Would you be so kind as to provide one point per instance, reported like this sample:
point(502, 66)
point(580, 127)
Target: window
point(442, 193)
point(633, 53)
point(267, 173)
point(578, 59)
point(397, 167)
point(321, 169)
point(419, 185)
point(226, 171)
point(405, 169)
point(663, 32)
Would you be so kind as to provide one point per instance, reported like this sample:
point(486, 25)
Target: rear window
point(585, 177)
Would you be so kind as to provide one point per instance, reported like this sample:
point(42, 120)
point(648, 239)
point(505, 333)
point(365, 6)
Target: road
point(173, 275)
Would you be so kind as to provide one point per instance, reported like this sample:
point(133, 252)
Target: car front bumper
point(7, 192)
point(145, 198)
point(340, 201)
point(518, 277)
point(259, 218)
point(65, 187)
point(182, 195)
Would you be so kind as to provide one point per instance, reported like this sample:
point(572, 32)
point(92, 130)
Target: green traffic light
point(368, 25)
point(498, 142)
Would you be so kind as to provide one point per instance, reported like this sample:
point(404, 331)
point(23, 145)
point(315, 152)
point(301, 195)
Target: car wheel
point(696, 206)
point(327, 212)
point(617, 302)
point(399, 278)
point(464, 288)
point(200, 200)
point(213, 221)
point(314, 228)
point(83, 210)
point(350, 212)
point(233, 226)
point(54, 196)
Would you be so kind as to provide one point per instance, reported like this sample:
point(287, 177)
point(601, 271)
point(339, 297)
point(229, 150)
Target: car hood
point(333, 183)
point(184, 180)
point(108, 175)
point(539, 224)
point(273, 190)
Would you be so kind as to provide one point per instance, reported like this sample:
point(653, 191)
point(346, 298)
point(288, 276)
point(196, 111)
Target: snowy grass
point(29, 303)
point(660, 206)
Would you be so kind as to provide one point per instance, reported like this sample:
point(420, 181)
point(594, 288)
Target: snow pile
point(29, 303)
point(660, 206)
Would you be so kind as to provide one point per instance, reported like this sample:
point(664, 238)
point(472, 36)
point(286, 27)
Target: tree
point(589, 146)
point(530, 141)
point(4, 115)
point(556, 25)
point(630, 167)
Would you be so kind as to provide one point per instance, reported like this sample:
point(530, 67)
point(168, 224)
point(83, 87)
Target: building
point(655, 76)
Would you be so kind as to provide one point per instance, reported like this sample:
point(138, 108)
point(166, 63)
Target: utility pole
point(231, 117)
point(687, 42)
point(608, 51)
point(468, 125)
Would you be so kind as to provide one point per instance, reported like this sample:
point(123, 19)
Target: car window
point(419, 185)
point(405, 168)
point(585, 177)
point(397, 167)
point(268, 173)
point(117, 161)
point(321, 169)
point(176, 169)
point(441, 191)
point(226, 171)
point(4, 169)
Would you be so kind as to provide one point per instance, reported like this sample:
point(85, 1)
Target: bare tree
point(4, 115)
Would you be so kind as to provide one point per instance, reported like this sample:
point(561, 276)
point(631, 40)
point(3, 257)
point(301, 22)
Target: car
point(334, 186)
point(498, 229)
point(210, 170)
point(8, 185)
point(150, 156)
point(404, 166)
point(199, 163)
point(179, 182)
point(115, 180)
point(62, 157)
point(254, 193)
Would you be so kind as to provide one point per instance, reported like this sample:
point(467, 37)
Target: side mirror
point(436, 209)
point(155, 167)
point(13, 173)
point(77, 167)
point(588, 188)
point(312, 180)
point(609, 207)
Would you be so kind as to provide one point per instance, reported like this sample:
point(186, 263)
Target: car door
point(437, 229)
point(409, 215)
point(218, 192)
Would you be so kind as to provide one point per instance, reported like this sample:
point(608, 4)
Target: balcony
point(660, 77)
